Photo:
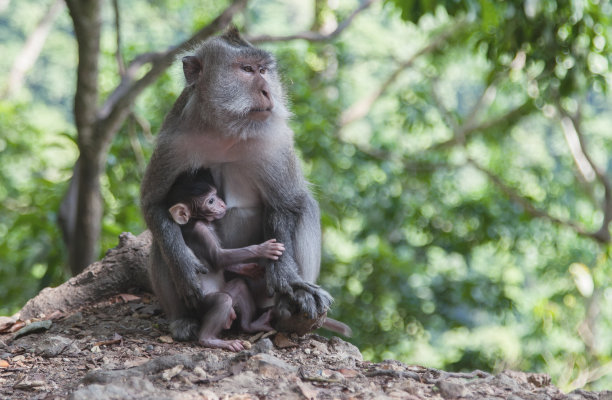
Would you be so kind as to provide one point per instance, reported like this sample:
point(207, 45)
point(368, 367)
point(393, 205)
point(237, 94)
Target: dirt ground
point(120, 349)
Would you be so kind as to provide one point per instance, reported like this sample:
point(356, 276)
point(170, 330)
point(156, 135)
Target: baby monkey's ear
point(180, 213)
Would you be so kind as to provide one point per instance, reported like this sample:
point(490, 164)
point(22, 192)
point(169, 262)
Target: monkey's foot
point(215, 343)
point(261, 324)
point(310, 299)
point(299, 323)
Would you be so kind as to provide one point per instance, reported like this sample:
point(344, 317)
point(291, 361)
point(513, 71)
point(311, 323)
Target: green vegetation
point(459, 151)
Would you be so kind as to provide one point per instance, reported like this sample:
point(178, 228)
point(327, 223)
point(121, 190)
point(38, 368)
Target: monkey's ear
point(192, 67)
point(180, 213)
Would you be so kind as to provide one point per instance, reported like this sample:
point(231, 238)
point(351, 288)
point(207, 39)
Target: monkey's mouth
point(260, 113)
point(219, 214)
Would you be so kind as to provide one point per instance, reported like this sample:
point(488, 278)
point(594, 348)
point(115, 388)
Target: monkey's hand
point(270, 249)
point(311, 299)
point(199, 268)
point(303, 297)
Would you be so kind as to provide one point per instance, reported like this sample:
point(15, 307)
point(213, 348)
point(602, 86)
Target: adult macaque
point(194, 205)
point(232, 118)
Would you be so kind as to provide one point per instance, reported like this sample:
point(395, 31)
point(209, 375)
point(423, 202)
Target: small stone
point(29, 385)
point(345, 349)
point(51, 346)
point(451, 390)
point(199, 371)
point(349, 373)
point(165, 339)
point(539, 380)
point(172, 372)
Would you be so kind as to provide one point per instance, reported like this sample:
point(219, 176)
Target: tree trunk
point(123, 268)
point(31, 49)
point(84, 244)
point(85, 214)
point(81, 210)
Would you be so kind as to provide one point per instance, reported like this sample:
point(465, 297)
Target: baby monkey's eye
point(211, 201)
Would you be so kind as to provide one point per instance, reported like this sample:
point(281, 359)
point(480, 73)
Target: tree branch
point(312, 36)
point(526, 203)
point(118, 56)
point(362, 107)
point(117, 106)
point(87, 26)
point(511, 115)
point(450, 120)
point(31, 49)
point(572, 128)
point(469, 125)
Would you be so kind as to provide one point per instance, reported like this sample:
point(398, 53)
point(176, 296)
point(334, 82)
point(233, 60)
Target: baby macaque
point(194, 205)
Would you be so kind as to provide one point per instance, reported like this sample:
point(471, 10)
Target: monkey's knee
point(237, 288)
point(220, 302)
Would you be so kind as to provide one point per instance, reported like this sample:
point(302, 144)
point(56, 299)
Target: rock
point(539, 380)
point(134, 388)
point(53, 346)
point(451, 390)
point(262, 346)
point(270, 366)
point(344, 349)
point(74, 319)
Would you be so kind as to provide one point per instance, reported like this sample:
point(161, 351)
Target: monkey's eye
point(247, 68)
point(263, 70)
point(211, 201)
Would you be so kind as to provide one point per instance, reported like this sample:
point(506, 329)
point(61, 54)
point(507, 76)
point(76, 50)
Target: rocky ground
point(120, 349)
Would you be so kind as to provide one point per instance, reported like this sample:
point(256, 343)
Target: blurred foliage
point(430, 256)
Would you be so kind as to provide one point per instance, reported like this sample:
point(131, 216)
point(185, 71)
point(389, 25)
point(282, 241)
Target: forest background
point(459, 151)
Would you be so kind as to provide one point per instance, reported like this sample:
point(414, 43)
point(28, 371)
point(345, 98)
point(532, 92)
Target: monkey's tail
point(336, 326)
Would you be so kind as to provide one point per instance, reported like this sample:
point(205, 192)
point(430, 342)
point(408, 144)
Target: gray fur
point(256, 171)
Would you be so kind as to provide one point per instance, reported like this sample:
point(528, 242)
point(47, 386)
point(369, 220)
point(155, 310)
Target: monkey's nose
point(265, 93)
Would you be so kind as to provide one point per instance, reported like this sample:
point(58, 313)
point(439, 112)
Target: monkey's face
point(234, 88)
point(245, 91)
point(253, 75)
point(211, 207)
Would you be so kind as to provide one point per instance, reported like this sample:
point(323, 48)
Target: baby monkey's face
point(211, 206)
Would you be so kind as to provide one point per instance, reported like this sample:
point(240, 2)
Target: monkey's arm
point(269, 249)
point(291, 215)
point(203, 241)
point(180, 260)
